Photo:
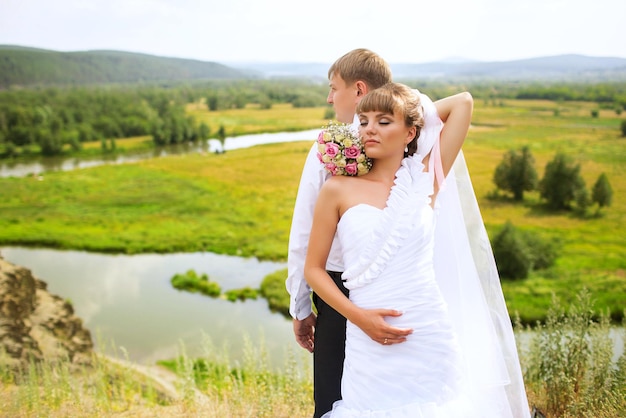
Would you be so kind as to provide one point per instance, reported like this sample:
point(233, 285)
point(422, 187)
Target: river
point(38, 165)
point(128, 301)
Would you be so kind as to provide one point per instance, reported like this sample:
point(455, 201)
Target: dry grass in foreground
point(184, 387)
point(570, 370)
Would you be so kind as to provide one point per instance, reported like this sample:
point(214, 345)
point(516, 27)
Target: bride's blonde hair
point(400, 98)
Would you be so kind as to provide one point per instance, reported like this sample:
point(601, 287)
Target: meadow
point(241, 202)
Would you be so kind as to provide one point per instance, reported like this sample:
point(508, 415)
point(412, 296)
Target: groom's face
point(343, 97)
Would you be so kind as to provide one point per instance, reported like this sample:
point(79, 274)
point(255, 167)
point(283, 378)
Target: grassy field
point(593, 250)
point(280, 118)
point(241, 202)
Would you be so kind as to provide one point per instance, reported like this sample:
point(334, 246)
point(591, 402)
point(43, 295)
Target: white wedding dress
point(388, 254)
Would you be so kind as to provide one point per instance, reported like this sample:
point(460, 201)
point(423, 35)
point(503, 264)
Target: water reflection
point(128, 300)
point(45, 164)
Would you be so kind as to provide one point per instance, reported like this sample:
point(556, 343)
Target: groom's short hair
point(362, 64)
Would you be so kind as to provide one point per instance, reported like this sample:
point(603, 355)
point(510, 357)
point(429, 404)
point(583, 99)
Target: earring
point(406, 148)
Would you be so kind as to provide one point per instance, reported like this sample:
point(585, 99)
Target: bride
point(453, 362)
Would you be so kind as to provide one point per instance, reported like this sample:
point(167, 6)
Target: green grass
point(241, 202)
point(273, 290)
point(235, 203)
point(281, 117)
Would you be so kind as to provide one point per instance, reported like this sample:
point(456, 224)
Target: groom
point(351, 77)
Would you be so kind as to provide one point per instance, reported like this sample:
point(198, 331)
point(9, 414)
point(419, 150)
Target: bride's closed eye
point(381, 119)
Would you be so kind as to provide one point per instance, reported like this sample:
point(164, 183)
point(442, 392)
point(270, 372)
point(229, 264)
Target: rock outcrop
point(35, 324)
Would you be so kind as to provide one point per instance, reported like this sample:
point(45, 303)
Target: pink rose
point(320, 138)
point(331, 167)
point(351, 169)
point(332, 149)
point(352, 152)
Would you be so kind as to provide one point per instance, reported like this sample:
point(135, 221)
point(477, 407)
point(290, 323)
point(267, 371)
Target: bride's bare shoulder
point(339, 184)
point(336, 181)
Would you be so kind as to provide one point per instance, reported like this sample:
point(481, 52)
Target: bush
point(513, 258)
point(583, 201)
point(543, 252)
point(273, 289)
point(624, 127)
point(570, 366)
point(241, 294)
point(191, 282)
point(517, 252)
point(602, 191)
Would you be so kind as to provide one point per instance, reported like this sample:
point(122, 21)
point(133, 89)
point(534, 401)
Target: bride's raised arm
point(456, 113)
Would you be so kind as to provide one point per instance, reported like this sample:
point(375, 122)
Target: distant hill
point(560, 67)
point(555, 68)
point(24, 66)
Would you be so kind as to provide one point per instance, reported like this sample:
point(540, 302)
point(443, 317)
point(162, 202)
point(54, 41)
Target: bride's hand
point(372, 322)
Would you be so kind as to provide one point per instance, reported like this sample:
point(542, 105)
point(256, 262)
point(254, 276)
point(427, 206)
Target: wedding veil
point(466, 272)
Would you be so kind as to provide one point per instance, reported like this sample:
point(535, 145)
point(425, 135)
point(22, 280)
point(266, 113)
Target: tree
point(212, 103)
point(561, 182)
point(516, 173)
point(624, 127)
point(602, 193)
point(221, 135)
point(50, 142)
point(203, 131)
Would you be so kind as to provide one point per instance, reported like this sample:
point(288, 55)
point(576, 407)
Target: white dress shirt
point(313, 177)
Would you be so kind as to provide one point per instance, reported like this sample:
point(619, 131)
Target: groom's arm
point(300, 307)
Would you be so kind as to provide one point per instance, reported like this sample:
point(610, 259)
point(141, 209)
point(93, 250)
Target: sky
point(320, 31)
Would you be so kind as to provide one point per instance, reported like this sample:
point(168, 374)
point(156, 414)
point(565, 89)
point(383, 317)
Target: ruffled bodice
point(408, 203)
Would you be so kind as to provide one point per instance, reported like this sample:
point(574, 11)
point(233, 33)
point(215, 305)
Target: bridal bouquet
point(341, 152)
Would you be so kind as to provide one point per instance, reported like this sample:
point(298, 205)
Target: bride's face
point(384, 134)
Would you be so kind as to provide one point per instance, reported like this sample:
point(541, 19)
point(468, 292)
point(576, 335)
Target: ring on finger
point(385, 342)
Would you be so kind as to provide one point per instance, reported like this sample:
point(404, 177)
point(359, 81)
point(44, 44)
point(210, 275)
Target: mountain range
point(25, 66)
point(556, 68)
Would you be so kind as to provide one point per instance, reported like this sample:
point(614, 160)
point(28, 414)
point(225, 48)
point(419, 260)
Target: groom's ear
point(361, 88)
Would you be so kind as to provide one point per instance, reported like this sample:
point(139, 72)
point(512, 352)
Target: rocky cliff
point(35, 324)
